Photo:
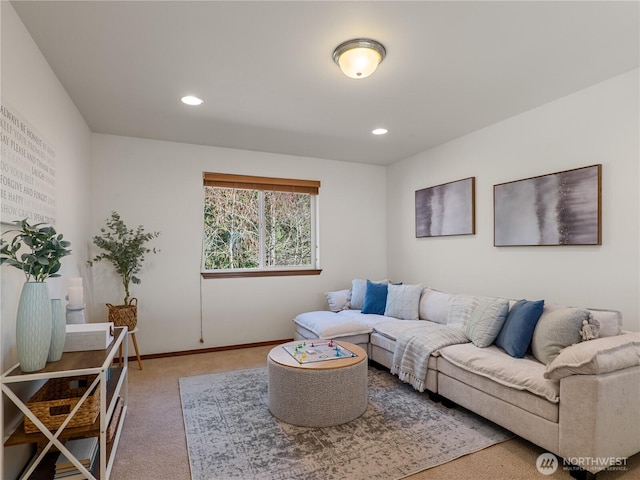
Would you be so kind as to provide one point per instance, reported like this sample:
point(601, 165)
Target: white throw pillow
point(434, 305)
point(403, 301)
point(339, 300)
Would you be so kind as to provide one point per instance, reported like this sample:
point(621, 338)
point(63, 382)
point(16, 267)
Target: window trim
point(249, 182)
point(260, 273)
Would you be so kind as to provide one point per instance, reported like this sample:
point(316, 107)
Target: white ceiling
point(269, 83)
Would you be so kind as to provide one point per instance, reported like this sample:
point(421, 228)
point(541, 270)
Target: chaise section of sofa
point(348, 325)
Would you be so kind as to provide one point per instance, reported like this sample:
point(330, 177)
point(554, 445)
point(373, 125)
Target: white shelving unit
point(112, 382)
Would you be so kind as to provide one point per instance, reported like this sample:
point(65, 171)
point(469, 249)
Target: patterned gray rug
point(232, 435)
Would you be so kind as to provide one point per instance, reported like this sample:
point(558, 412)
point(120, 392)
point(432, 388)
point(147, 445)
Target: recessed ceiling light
point(379, 131)
point(191, 100)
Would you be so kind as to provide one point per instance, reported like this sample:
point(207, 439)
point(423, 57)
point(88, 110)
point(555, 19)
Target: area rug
point(232, 435)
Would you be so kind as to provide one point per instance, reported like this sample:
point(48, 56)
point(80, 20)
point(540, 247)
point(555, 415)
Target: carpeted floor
point(232, 435)
point(153, 444)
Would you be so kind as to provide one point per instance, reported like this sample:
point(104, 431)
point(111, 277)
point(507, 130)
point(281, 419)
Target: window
point(258, 226)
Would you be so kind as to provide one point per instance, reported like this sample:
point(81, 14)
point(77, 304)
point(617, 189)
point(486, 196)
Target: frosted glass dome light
point(360, 57)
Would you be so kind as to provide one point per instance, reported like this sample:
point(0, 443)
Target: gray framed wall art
point(562, 208)
point(447, 209)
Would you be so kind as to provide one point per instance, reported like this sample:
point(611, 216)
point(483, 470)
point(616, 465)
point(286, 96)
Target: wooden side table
point(135, 346)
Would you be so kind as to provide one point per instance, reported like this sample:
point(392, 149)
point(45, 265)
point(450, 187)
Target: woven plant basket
point(56, 398)
point(124, 315)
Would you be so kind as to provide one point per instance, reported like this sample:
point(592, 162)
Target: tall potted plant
point(37, 337)
point(125, 248)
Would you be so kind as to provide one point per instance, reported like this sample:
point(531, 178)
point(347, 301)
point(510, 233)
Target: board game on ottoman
point(317, 384)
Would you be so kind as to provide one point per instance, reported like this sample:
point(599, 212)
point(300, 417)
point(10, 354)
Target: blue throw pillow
point(375, 298)
point(517, 332)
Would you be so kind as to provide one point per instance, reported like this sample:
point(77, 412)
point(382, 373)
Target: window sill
point(262, 273)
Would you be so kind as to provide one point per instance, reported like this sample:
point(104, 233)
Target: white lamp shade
point(359, 62)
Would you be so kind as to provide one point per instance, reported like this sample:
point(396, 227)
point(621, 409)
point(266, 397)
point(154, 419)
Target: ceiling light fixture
point(359, 58)
point(191, 100)
point(379, 131)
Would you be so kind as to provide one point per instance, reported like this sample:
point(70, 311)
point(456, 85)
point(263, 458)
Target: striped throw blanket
point(414, 346)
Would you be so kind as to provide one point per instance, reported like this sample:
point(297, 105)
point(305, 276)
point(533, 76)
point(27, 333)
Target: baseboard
point(209, 350)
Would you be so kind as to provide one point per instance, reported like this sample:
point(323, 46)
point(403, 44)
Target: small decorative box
point(88, 336)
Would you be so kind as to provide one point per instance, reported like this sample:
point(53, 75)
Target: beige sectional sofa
point(580, 399)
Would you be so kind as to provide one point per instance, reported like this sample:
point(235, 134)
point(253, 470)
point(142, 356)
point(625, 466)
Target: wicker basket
point(124, 315)
point(55, 400)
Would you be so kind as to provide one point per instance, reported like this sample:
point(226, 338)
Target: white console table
point(112, 382)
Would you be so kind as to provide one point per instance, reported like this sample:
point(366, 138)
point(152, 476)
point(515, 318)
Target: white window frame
point(263, 184)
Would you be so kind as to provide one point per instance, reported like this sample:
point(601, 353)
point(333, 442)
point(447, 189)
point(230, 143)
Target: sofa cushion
point(387, 343)
point(393, 328)
point(522, 399)
point(325, 324)
point(403, 301)
point(516, 333)
point(338, 300)
point(493, 363)
point(434, 305)
point(460, 309)
point(302, 333)
point(383, 341)
point(557, 329)
point(486, 321)
point(602, 355)
point(375, 298)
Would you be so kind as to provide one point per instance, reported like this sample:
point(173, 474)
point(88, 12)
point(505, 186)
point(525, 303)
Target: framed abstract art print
point(447, 209)
point(562, 208)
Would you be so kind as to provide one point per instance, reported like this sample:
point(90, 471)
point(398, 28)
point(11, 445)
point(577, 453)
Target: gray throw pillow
point(486, 321)
point(557, 330)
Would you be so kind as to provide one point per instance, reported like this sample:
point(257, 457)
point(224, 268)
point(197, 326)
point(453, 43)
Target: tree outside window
point(231, 228)
point(253, 223)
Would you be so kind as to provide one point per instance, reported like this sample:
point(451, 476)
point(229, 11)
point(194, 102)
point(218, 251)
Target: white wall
point(159, 185)
point(366, 215)
point(31, 88)
point(596, 125)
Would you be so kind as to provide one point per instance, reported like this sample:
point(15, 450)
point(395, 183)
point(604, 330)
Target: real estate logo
point(547, 463)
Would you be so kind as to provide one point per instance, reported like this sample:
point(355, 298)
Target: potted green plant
point(125, 248)
point(39, 335)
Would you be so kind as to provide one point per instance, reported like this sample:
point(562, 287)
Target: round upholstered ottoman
point(317, 394)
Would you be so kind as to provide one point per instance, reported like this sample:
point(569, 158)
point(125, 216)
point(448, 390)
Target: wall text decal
point(28, 171)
